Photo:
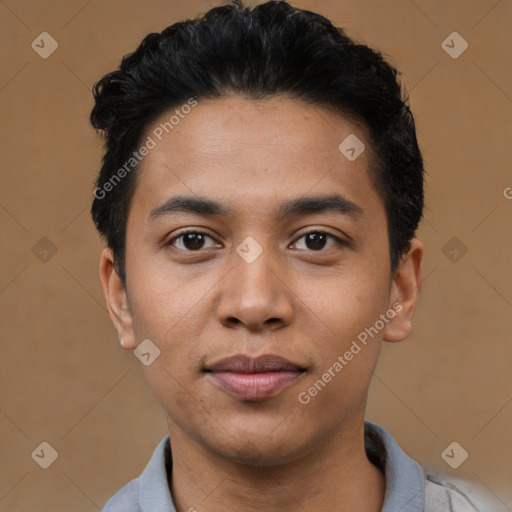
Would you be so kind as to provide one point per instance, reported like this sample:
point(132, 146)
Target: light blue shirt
point(409, 488)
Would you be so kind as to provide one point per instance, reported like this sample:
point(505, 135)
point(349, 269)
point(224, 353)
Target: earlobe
point(405, 291)
point(117, 300)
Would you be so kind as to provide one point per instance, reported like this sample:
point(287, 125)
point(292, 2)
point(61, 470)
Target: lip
point(254, 378)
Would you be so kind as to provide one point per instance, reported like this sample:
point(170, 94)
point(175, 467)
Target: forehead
point(253, 152)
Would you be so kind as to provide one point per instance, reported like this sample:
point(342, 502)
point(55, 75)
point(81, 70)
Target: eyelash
point(338, 240)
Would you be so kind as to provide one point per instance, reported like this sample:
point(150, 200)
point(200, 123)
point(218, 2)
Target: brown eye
point(191, 241)
point(318, 240)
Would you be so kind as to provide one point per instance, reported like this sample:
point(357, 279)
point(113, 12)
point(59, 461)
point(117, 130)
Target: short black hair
point(272, 49)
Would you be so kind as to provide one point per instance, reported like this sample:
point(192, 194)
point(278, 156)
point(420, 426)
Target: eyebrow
point(301, 206)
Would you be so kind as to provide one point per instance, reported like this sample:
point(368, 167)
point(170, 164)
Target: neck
point(335, 475)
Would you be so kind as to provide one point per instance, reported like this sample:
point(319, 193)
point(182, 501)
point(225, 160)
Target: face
point(251, 236)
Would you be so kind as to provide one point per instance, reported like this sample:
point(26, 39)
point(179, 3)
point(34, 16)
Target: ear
point(405, 292)
point(117, 300)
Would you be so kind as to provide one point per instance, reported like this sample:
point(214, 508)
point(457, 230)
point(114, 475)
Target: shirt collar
point(405, 484)
point(154, 492)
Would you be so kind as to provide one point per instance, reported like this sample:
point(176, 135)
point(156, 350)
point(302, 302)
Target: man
point(259, 195)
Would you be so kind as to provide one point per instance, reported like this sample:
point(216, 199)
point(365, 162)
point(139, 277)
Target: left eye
point(316, 240)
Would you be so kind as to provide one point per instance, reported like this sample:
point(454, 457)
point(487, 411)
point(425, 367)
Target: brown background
point(64, 379)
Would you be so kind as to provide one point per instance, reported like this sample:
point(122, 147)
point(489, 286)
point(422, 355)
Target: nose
point(255, 295)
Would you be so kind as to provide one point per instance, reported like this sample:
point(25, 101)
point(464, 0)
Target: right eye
point(191, 241)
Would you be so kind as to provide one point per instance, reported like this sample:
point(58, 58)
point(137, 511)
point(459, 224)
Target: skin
point(300, 301)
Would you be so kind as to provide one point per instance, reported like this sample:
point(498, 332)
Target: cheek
point(348, 337)
point(345, 353)
point(166, 298)
point(349, 304)
point(172, 307)
point(173, 319)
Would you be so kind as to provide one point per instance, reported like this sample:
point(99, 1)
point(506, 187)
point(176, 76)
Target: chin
point(257, 450)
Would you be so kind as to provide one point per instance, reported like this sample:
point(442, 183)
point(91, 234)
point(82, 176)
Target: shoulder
point(124, 500)
point(457, 495)
point(412, 486)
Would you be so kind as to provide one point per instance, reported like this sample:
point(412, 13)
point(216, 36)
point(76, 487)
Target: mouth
point(254, 378)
